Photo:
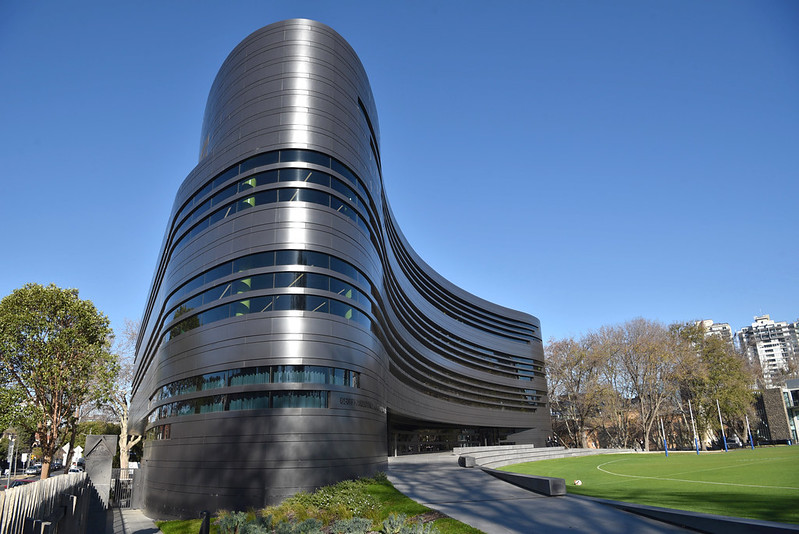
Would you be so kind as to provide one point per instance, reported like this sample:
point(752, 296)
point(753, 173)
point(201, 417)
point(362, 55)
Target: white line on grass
point(600, 466)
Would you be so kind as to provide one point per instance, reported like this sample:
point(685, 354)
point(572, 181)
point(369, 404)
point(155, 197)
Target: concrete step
point(499, 456)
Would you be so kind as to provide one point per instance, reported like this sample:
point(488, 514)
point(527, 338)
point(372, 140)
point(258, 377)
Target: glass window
point(267, 158)
point(340, 309)
point(249, 376)
point(262, 281)
point(315, 157)
point(261, 304)
point(202, 208)
point(249, 401)
point(201, 193)
point(344, 189)
point(239, 308)
point(266, 197)
point(190, 286)
point(216, 293)
point(342, 267)
point(317, 281)
point(221, 270)
point(316, 304)
point(288, 195)
point(339, 377)
point(316, 177)
point(344, 171)
point(315, 374)
point(185, 408)
point(299, 399)
point(293, 175)
point(282, 303)
point(287, 257)
point(225, 176)
point(313, 196)
point(188, 306)
point(218, 215)
point(291, 155)
point(282, 374)
point(245, 203)
point(315, 259)
point(215, 314)
point(290, 280)
point(241, 286)
point(211, 404)
point(341, 288)
point(254, 261)
point(226, 193)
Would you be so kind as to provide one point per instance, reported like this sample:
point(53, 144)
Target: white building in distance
point(773, 344)
point(722, 330)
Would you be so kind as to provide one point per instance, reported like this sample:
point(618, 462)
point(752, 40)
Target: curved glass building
point(292, 338)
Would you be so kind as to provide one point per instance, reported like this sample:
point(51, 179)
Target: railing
point(55, 505)
point(122, 484)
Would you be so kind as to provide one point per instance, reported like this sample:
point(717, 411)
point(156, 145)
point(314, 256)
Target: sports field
point(759, 484)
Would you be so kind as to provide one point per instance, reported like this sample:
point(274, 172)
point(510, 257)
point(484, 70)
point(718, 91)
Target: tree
point(652, 361)
point(54, 351)
point(723, 376)
point(573, 370)
point(120, 397)
point(616, 416)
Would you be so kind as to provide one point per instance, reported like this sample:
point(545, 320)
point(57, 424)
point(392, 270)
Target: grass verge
point(374, 499)
point(756, 484)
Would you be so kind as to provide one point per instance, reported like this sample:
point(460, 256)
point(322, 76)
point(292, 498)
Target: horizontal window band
point(257, 400)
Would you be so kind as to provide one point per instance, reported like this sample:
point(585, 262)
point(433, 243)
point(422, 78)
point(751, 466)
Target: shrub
point(356, 525)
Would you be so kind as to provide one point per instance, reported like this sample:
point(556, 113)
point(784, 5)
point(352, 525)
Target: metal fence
point(56, 505)
point(122, 487)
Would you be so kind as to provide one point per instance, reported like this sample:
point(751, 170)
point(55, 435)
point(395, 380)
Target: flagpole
point(693, 426)
point(723, 436)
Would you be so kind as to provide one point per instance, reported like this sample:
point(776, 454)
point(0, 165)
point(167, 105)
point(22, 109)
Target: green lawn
point(758, 484)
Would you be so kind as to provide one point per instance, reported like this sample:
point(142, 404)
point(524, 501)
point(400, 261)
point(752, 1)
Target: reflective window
point(270, 158)
point(176, 309)
point(276, 374)
point(299, 399)
point(250, 375)
point(257, 400)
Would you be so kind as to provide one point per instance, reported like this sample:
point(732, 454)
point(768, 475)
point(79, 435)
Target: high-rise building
point(773, 345)
point(720, 330)
point(292, 337)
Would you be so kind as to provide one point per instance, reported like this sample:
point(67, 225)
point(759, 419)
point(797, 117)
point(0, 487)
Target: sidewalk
point(127, 521)
point(496, 507)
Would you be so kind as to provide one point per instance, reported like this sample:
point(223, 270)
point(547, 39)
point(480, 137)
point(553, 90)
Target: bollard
point(205, 528)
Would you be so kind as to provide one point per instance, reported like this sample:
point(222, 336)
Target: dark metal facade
point(292, 338)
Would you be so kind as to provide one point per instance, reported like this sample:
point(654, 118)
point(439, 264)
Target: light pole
point(11, 438)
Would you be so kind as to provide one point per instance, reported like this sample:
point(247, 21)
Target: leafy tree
point(54, 351)
point(723, 376)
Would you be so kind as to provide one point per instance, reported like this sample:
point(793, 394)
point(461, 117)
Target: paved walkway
point(496, 507)
point(128, 521)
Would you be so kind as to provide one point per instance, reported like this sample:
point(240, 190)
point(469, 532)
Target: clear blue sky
point(585, 162)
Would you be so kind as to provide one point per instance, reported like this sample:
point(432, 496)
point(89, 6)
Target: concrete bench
point(551, 486)
point(466, 461)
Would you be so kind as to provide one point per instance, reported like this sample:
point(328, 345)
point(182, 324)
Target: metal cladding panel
point(288, 319)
